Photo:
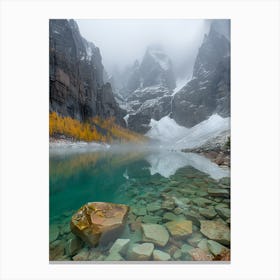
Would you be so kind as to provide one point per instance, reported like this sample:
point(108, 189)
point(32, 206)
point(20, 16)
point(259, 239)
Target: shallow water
point(136, 178)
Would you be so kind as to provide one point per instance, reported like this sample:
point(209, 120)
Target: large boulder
point(99, 222)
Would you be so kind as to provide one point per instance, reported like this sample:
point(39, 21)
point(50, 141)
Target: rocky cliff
point(76, 74)
point(149, 87)
point(209, 90)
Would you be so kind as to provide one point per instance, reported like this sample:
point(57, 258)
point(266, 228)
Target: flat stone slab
point(73, 246)
point(155, 233)
point(203, 245)
point(114, 256)
point(120, 246)
point(148, 219)
point(208, 213)
point(195, 238)
point(186, 248)
point(81, 256)
point(179, 229)
point(99, 222)
point(202, 202)
point(161, 256)
point(169, 216)
point(154, 206)
point(216, 248)
point(198, 254)
point(223, 212)
point(53, 233)
point(139, 211)
point(141, 252)
point(216, 231)
point(218, 192)
point(192, 216)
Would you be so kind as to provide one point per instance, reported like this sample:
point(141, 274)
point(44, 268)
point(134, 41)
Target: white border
point(255, 138)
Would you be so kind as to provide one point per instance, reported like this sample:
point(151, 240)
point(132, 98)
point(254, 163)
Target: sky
point(122, 41)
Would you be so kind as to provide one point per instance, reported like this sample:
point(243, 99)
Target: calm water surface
point(129, 176)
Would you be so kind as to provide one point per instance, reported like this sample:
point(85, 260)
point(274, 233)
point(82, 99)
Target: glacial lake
point(137, 177)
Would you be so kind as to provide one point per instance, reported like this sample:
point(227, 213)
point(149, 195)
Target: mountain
point(148, 89)
point(77, 88)
point(208, 92)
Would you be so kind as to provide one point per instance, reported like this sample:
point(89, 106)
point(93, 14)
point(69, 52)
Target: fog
point(121, 41)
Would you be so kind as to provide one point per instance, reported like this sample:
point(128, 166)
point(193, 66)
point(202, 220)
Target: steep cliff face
point(76, 75)
point(209, 90)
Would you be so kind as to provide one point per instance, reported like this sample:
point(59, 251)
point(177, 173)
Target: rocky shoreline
point(216, 149)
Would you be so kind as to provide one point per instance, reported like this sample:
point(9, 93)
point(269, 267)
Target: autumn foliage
point(95, 129)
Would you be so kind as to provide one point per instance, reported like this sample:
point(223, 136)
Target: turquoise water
point(133, 177)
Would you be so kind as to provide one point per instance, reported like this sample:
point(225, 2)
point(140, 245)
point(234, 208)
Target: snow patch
point(202, 132)
point(166, 130)
point(173, 135)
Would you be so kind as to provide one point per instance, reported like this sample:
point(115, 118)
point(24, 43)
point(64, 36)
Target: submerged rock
point(186, 248)
point(73, 246)
point(151, 219)
point(203, 245)
point(208, 213)
point(216, 248)
point(179, 229)
point(169, 216)
point(54, 233)
point(198, 254)
point(223, 212)
point(161, 256)
point(168, 204)
point(141, 252)
point(56, 250)
point(139, 211)
point(195, 238)
point(99, 222)
point(120, 246)
point(114, 256)
point(177, 255)
point(154, 206)
point(83, 255)
point(202, 202)
point(218, 192)
point(155, 233)
point(216, 231)
point(192, 216)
